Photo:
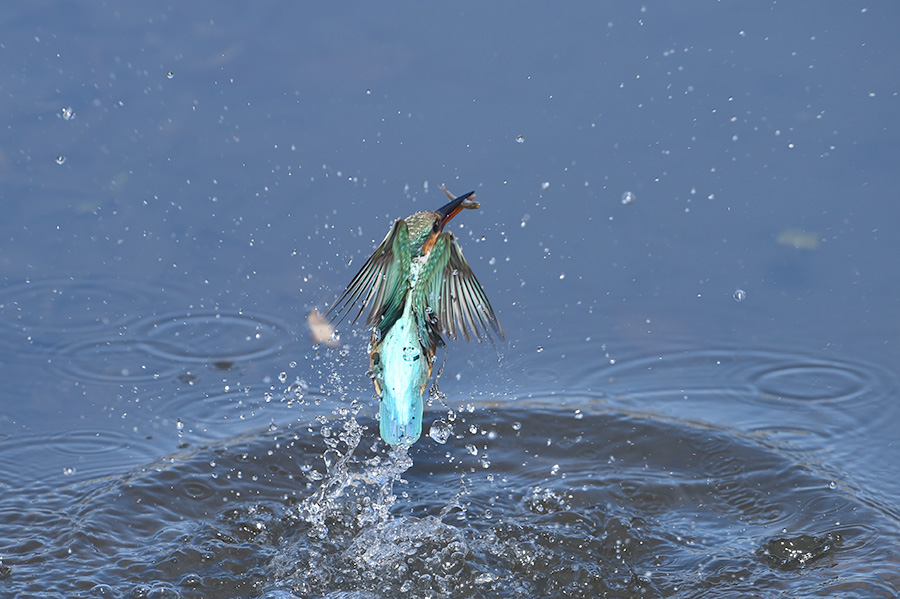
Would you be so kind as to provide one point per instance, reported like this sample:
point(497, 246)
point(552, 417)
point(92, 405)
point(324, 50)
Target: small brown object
point(321, 329)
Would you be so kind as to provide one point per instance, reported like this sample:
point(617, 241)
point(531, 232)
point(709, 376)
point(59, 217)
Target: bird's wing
point(452, 294)
point(382, 282)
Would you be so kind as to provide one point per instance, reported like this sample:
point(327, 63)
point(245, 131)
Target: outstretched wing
point(452, 294)
point(382, 282)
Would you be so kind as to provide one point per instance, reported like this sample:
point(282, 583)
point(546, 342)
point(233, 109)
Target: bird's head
point(424, 227)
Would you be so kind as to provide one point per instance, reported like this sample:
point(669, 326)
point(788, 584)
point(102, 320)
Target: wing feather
point(381, 283)
point(454, 295)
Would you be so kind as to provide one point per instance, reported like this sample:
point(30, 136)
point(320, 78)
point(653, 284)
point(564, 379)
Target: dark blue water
point(686, 231)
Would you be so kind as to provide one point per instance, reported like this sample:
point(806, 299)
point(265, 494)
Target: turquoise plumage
point(419, 287)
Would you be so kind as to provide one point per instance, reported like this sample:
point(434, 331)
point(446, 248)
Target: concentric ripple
point(769, 375)
point(211, 336)
point(70, 457)
point(798, 396)
point(119, 360)
point(40, 312)
point(815, 381)
point(774, 375)
point(207, 414)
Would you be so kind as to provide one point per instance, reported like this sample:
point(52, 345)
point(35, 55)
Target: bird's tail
point(401, 425)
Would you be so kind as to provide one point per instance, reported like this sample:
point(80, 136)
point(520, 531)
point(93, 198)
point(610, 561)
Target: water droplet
point(60, 159)
point(832, 485)
point(330, 457)
point(517, 426)
point(410, 354)
point(368, 92)
point(628, 197)
point(739, 295)
point(545, 185)
point(298, 390)
point(440, 431)
point(540, 348)
point(170, 75)
point(102, 590)
point(520, 139)
point(485, 578)
point(67, 113)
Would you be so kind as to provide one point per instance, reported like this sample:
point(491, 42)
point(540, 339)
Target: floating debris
point(321, 330)
point(799, 239)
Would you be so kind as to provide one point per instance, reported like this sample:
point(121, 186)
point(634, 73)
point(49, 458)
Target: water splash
point(354, 494)
point(440, 431)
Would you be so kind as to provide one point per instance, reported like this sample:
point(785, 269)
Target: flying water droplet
point(297, 390)
point(67, 113)
point(410, 354)
point(331, 457)
point(520, 139)
point(739, 295)
point(170, 75)
point(628, 197)
point(440, 431)
point(60, 159)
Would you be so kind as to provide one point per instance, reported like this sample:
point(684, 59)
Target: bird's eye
point(436, 226)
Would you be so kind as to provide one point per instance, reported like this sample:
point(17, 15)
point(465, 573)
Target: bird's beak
point(452, 208)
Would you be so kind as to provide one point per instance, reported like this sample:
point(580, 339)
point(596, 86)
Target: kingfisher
point(419, 287)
